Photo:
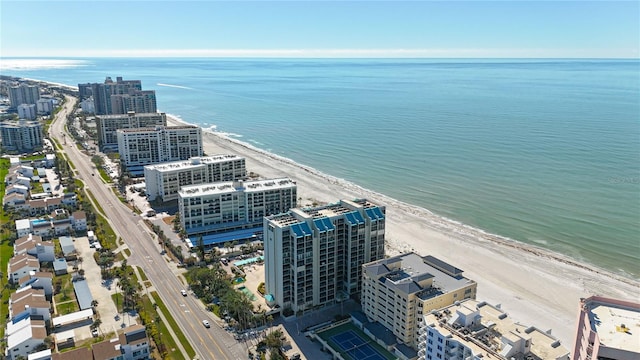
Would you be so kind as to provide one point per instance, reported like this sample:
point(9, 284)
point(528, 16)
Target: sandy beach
point(535, 286)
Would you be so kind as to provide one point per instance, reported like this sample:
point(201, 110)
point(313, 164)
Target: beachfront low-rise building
point(232, 208)
point(396, 291)
point(313, 256)
point(21, 136)
point(163, 181)
point(476, 330)
point(108, 125)
point(152, 145)
point(607, 329)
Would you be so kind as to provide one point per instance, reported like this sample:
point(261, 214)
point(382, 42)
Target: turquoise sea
point(546, 152)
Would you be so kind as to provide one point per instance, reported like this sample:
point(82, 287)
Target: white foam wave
point(175, 86)
point(39, 64)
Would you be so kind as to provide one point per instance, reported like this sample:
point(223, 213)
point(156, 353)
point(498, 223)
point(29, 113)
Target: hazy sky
point(320, 28)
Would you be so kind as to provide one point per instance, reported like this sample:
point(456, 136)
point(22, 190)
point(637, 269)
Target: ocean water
point(546, 152)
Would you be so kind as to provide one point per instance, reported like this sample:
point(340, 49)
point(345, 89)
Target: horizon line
point(435, 53)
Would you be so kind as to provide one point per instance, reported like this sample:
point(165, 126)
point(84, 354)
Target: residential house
point(16, 188)
point(62, 226)
point(30, 303)
point(24, 337)
point(38, 280)
point(107, 350)
point(70, 199)
point(23, 227)
point(135, 343)
point(21, 265)
point(33, 245)
point(14, 200)
point(79, 220)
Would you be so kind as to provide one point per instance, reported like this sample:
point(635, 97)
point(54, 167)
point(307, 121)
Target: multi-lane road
point(209, 343)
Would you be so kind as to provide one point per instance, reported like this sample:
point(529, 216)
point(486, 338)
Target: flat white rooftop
point(617, 327)
point(193, 162)
point(232, 186)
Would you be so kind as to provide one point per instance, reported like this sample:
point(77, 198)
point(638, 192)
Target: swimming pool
point(248, 261)
point(247, 292)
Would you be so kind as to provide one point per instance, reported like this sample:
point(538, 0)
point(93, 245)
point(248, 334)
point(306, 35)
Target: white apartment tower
point(163, 181)
point(44, 106)
point(27, 111)
point(477, 331)
point(314, 256)
point(107, 126)
point(152, 145)
point(21, 135)
point(233, 205)
point(398, 290)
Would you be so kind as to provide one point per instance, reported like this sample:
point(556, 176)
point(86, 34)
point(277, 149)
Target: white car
point(183, 292)
point(206, 323)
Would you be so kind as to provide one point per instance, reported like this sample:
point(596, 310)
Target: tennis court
point(356, 347)
point(352, 344)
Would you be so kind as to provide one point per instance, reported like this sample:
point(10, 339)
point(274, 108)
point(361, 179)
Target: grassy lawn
point(6, 252)
point(127, 251)
point(57, 144)
point(95, 203)
point(104, 175)
point(32, 157)
point(67, 307)
point(117, 299)
point(36, 187)
point(170, 342)
point(66, 291)
point(143, 276)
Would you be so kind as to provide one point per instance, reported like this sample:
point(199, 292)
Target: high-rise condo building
point(478, 331)
point(142, 101)
point(107, 126)
point(27, 111)
point(152, 145)
point(21, 135)
point(398, 290)
point(314, 256)
point(607, 329)
point(119, 97)
point(23, 94)
point(44, 106)
point(163, 181)
point(234, 207)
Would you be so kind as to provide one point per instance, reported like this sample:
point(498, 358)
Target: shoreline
point(538, 287)
point(439, 223)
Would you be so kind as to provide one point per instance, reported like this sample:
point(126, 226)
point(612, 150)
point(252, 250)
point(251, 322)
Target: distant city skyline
point(425, 29)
